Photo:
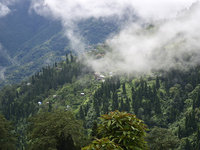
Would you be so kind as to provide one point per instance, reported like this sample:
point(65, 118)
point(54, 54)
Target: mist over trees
point(137, 89)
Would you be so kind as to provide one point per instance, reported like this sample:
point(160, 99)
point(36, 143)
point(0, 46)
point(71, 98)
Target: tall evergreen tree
point(67, 59)
point(121, 108)
point(157, 83)
point(94, 128)
point(81, 113)
point(157, 105)
point(72, 58)
point(124, 88)
point(198, 139)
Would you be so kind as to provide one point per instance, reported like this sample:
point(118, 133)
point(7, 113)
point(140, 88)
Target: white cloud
point(4, 10)
point(135, 49)
point(172, 44)
point(68, 11)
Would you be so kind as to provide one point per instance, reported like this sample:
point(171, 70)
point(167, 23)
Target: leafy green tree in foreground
point(122, 129)
point(102, 144)
point(7, 136)
point(56, 130)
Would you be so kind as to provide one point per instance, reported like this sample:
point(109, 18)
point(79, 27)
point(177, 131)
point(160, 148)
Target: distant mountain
point(30, 42)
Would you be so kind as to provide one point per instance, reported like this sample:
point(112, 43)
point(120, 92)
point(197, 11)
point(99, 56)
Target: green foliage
point(162, 139)
point(8, 136)
point(102, 144)
point(123, 128)
point(54, 130)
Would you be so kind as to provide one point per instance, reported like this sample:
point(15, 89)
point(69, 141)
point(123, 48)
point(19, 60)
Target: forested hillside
point(168, 100)
point(53, 95)
point(29, 41)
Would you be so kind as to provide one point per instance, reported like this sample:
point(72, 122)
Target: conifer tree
point(121, 107)
point(198, 79)
point(33, 80)
point(17, 94)
point(179, 132)
point(132, 89)
point(149, 93)
point(72, 58)
point(81, 113)
point(94, 128)
point(97, 111)
point(157, 105)
point(157, 83)
point(127, 106)
point(187, 145)
point(198, 139)
point(67, 59)
point(145, 89)
point(124, 88)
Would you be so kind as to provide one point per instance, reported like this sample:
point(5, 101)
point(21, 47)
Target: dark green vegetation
point(7, 137)
point(168, 100)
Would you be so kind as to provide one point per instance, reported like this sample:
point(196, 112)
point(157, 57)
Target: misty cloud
point(4, 10)
point(172, 44)
point(72, 11)
point(2, 70)
point(4, 6)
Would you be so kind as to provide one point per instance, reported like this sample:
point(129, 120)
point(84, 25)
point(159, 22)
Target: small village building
point(82, 94)
point(58, 68)
point(28, 83)
point(54, 96)
point(39, 103)
point(98, 76)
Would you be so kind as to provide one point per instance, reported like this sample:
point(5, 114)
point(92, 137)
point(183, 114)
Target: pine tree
point(17, 94)
point(97, 111)
point(145, 89)
point(124, 88)
point(198, 79)
point(94, 128)
point(179, 132)
point(127, 106)
point(193, 121)
point(81, 113)
point(121, 105)
point(157, 105)
point(67, 59)
point(198, 138)
point(197, 102)
point(198, 146)
point(50, 106)
point(187, 145)
point(115, 104)
point(149, 93)
point(33, 80)
point(157, 83)
point(132, 89)
point(72, 58)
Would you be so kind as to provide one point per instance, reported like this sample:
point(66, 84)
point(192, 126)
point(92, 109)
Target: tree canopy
point(56, 130)
point(8, 136)
point(121, 128)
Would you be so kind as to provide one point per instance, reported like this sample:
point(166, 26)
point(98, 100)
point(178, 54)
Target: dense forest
point(167, 102)
point(52, 99)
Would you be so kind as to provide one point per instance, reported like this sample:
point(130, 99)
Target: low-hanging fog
point(172, 42)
